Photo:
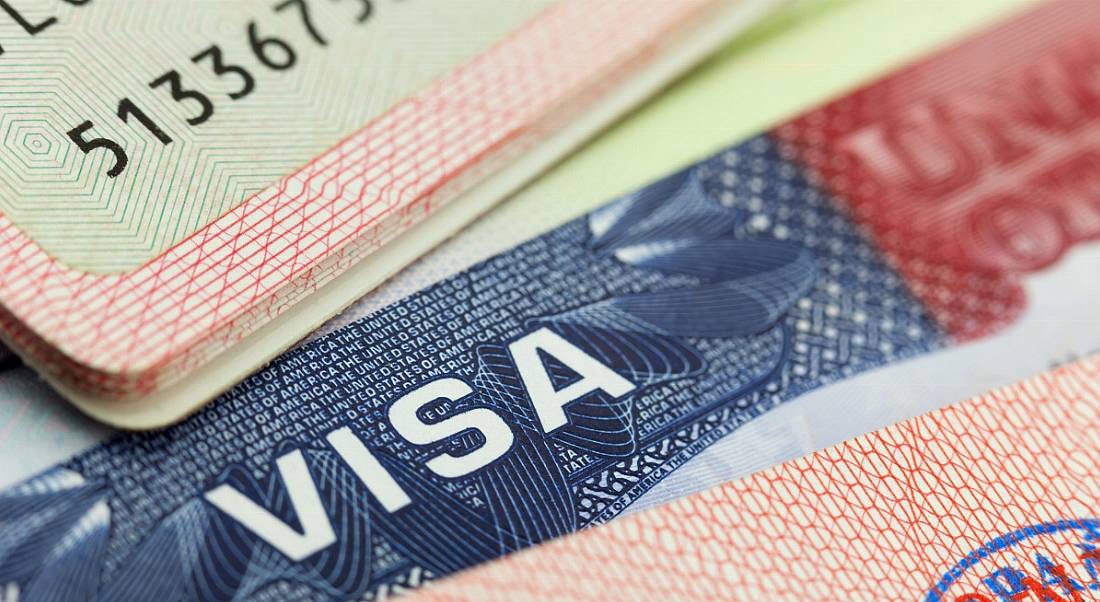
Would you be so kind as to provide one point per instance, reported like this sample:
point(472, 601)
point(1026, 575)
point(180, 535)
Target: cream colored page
point(260, 87)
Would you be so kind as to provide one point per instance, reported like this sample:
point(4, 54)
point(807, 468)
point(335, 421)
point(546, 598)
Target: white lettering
point(549, 403)
point(317, 532)
point(369, 470)
point(498, 437)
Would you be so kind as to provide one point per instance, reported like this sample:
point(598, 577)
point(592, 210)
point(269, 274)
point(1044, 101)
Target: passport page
point(173, 189)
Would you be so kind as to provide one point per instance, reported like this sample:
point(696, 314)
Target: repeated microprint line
point(927, 509)
point(132, 323)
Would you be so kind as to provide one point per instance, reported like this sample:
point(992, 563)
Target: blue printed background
point(721, 292)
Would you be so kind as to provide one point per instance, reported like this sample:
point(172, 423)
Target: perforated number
point(273, 52)
point(87, 146)
point(303, 10)
point(263, 47)
point(126, 109)
point(217, 63)
point(180, 94)
point(368, 10)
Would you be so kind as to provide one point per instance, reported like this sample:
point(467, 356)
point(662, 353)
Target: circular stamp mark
point(1049, 562)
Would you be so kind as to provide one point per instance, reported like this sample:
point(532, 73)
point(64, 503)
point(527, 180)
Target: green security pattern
point(97, 54)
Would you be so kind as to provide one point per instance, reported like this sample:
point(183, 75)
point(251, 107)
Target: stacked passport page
point(175, 195)
point(782, 300)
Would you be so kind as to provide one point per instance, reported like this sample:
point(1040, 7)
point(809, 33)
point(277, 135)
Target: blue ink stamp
point(1048, 562)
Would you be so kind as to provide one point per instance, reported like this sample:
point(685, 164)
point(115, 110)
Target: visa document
point(564, 382)
point(992, 499)
point(537, 393)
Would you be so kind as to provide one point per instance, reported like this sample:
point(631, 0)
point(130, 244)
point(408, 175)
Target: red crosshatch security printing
point(120, 335)
point(990, 500)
